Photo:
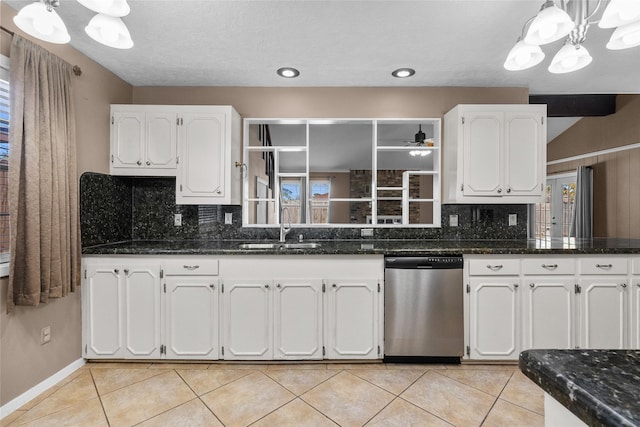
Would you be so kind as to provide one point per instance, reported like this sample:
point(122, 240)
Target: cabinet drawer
point(494, 267)
point(191, 267)
point(610, 265)
point(547, 266)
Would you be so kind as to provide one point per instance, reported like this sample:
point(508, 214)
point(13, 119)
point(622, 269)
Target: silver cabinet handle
point(266, 286)
point(126, 271)
point(509, 190)
point(515, 285)
point(212, 286)
point(499, 190)
point(550, 266)
point(138, 162)
point(117, 271)
point(334, 285)
point(278, 286)
point(624, 285)
point(191, 267)
point(604, 265)
point(494, 267)
point(148, 163)
point(532, 285)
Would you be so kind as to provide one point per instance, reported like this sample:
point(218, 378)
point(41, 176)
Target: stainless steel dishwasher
point(423, 317)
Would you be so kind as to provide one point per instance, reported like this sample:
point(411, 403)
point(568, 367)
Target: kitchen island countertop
point(377, 247)
point(601, 387)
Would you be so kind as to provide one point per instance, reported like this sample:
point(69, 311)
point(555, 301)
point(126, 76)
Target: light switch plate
point(366, 232)
point(177, 220)
point(453, 220)
point(228, 217)
point(513, 219)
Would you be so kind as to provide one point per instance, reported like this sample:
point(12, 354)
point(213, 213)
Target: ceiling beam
point(576, 105)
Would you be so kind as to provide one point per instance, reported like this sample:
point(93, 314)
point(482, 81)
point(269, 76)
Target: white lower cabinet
point(297, 326)
point(604, 308)
point(102, 313)
point(141, 323)
point(351, 319)
point(548, 313)
point(563, 302)
point(122, 310)
point(191, 317)
point(247, 319)
point(494, 322)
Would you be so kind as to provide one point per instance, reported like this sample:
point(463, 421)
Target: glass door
point(553, 216)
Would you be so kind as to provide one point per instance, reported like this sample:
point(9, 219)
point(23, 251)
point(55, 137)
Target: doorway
point(553, 216)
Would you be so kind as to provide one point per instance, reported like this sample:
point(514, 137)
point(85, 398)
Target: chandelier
point(572, 19)
point(40, 20)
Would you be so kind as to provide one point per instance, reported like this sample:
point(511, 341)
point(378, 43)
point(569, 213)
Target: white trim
point(562, 175)
point(595, 153)
point(36, 390)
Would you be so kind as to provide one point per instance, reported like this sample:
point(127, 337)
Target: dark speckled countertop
point(379, 247)
point(601, 387)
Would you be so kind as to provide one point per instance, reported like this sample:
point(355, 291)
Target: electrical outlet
point(453, 220)
point(228, 217)
point(366, 232)
point(513, 219)
point(177, 220)
point(45, 335)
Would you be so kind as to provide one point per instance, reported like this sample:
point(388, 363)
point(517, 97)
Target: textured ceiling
point(340, 43)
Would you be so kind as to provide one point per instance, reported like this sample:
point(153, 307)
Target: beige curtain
point(43, 193)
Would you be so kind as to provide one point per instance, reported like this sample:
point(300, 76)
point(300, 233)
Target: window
point(4, 165)
point(320, 196)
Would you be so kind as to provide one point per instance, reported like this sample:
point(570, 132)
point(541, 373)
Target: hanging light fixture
point(40, 20)
point(572, 20)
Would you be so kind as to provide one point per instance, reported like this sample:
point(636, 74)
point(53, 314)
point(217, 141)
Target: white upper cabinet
point(143, 141)
point(199, 145)
point(209, 147)
point(494, 154)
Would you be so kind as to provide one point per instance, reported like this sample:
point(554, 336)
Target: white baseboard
point(41, 387)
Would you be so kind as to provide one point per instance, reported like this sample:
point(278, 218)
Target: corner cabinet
point(494, 154)
point(199, 145)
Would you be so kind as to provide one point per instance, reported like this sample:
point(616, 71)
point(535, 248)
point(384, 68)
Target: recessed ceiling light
point(402, 73)
point(288, 72)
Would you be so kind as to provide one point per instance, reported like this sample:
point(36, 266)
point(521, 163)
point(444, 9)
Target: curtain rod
point(76, 69)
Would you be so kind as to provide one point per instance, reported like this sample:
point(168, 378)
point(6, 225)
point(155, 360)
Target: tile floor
point(156, 394)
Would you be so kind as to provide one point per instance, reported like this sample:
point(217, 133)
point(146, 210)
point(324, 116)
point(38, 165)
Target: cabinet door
point(352, 319)
point(635, 314)
point(482, 146)
point(298, 319)
point(494, 327)
point(604, 312)
point(247, 319)
point(142, 312)
point(524, 143)
point(191, 317)
point(103, 306)
point(202, 161)
point(127, 140)
point(161, 140)
point(548, 313)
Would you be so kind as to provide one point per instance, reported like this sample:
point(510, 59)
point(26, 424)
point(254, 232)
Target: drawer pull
point(191, 267)
point(550, 266)
point(624, 285)
point(494, 267)
point(532, 285)
point(604, 265)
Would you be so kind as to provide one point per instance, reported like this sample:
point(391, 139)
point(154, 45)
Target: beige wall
point(615, 187)
point(23, 361)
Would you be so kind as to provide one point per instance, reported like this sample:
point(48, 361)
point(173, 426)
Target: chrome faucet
point(284, 230)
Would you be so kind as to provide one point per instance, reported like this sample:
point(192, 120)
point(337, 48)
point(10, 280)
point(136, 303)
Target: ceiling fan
point(420, 141)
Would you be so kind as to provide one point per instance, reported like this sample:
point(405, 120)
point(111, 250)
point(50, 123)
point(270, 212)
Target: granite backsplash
point(114, 209)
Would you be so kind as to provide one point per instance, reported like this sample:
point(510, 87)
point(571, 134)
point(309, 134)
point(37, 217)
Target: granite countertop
point(600, 387)
point(369, 246)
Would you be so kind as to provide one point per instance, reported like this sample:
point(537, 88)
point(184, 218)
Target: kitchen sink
point(277, 245)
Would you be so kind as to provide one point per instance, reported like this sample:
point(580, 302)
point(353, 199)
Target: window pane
point(4, 170)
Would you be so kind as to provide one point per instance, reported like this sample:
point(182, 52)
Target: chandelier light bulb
point(110, 31)
point(523, 56)
point(625, 37)
point(38, 21)
point(549, 25)
point(570, 58)
point(620, 12)
point(115, 8)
